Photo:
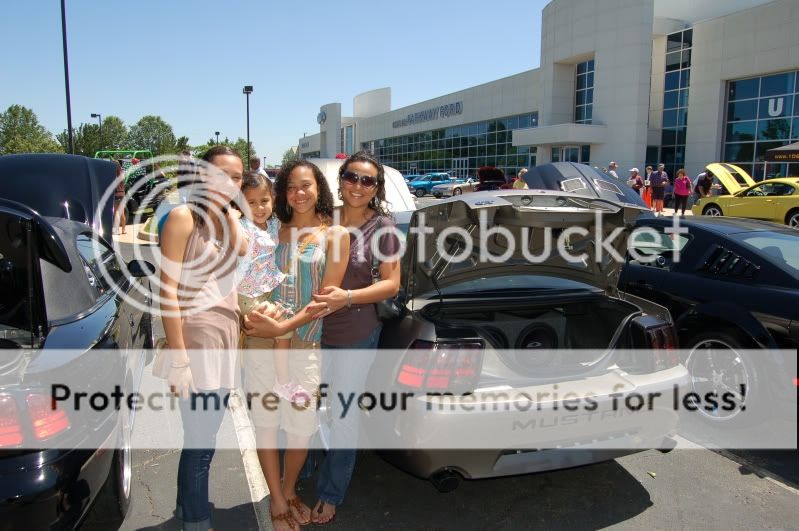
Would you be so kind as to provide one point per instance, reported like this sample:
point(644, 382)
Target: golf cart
point(140, 198)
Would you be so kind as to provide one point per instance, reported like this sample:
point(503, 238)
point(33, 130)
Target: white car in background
point(454, 188)
point(399, 200)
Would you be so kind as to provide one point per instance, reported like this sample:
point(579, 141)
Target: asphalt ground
point(684, 489)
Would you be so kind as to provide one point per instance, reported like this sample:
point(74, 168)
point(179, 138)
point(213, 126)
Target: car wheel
point(446, 480)
point(719, 366)
point(437, 196)
point(792, 219)
point(457, 191)
point(712, 210)
point(114, 498)
point(419, 192)
point(132, 207)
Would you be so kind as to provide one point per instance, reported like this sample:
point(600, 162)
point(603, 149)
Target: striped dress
point(304, 273)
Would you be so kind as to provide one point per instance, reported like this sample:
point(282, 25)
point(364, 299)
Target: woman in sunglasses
point(350, 318)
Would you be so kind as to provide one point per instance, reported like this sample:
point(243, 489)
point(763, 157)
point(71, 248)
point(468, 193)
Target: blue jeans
point(345, 374)
point(202, 415)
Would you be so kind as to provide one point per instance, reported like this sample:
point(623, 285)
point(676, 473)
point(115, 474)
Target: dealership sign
point(444, 111)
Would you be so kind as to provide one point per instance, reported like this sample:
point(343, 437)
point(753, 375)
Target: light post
point(100, 123)
point(247, 91)
point(264, 165)
point(217, 137)
point(66, 76)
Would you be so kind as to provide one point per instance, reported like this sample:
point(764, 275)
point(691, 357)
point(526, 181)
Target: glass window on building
point(584, 92)
point(675, 101)
point(462, 148)
point(761, 115)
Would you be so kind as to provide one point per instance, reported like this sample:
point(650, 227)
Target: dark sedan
point(730, 284)
point(65, 302)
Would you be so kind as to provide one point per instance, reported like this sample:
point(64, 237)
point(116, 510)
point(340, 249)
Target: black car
point(60, 316)
point(730, 284)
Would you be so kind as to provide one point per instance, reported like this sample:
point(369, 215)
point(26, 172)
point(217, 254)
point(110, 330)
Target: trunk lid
point(449, 242)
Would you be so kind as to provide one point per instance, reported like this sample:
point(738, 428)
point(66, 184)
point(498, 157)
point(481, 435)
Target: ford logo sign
point(321, 117)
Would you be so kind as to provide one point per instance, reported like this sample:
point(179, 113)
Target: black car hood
point(64, 186)
point(26, 239)
point(426, 268)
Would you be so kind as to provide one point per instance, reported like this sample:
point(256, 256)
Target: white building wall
point(505, 97)
point(618, 34)
point(755, 42)
point(372, 103)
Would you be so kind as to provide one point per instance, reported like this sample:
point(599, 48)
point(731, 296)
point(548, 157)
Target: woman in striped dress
point(312, 254)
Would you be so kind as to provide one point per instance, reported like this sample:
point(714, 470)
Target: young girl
point(260, 275)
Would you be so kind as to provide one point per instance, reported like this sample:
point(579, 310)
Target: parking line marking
point(245, 433)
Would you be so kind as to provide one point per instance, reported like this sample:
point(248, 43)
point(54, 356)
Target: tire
point(419, 192)
point(457, 191)
point(792, 219)
point(113, 501)
point(712, 210)
point(132, 207)
point(717, 363)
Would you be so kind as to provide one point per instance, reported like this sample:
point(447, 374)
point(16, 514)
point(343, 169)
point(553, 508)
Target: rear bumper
point(481, 441)
point(51, 489)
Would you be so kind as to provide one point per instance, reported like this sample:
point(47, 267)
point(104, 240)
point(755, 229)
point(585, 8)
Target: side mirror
point(141, 268)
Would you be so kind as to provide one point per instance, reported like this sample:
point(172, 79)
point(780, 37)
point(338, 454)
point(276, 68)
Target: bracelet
point(349, 298)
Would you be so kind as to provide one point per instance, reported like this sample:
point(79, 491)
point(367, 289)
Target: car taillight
point(46, 418)
point(440, 366)
point(10, 428)
point(662, 342)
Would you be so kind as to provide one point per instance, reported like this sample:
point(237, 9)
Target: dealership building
point(682, 82)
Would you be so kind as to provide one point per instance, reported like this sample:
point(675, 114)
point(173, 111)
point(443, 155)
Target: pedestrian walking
point(199, 246)
point(682, 189)
point(635, 181)
point(612, 167)
point(647, 190)
point(121, 219)
point(313, 254)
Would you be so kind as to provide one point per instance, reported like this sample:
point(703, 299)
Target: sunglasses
point(367, 181)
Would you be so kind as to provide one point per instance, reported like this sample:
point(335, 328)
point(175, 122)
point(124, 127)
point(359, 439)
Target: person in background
point(658, 181)
point(682, 189)
point(255, 165)
point(519, 182)
point(647, 190)
point(704, 184)
point(612, 167)
point(635, 181)
point(119, 203)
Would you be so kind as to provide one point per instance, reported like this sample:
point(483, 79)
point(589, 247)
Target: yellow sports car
point(771, 200)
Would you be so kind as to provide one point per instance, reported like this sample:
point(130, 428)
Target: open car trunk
point(536, 336)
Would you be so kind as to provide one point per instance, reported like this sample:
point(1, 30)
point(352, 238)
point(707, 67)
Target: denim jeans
point(202, 415)
point(345, 374)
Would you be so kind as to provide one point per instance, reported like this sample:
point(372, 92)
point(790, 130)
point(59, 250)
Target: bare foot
point(300, 511)
point(323, 512)
point(282, 518)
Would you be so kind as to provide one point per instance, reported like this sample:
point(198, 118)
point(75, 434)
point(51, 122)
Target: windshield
point(781, 248)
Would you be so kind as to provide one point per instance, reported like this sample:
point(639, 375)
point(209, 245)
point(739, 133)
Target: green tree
point(239, 146)
point(153, 133)
point(21, 132)
point(289, 155)
point(115, 133)
point(182, 144)
point(86, 139)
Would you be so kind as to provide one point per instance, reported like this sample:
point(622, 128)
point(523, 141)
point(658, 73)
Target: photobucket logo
point(206, 272)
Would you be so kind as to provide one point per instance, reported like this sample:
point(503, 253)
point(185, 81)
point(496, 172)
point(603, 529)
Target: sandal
point(286, 517)
point(296, 504)
point(318, 508)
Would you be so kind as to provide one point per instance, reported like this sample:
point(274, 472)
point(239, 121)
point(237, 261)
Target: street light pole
point(247, 91)
point(100, 123)
point(66, 76)
point(217, 137)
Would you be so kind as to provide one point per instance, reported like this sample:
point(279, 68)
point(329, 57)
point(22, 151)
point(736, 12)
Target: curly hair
point(324, 201)
point(379, 199)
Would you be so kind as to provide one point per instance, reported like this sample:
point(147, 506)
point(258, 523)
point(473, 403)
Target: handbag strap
point(375, 263)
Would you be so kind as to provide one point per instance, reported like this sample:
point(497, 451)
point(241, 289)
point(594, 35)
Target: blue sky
point(188, 61)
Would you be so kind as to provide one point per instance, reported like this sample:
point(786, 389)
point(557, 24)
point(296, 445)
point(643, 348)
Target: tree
point(289, 155)
point(239, 146)
point(182, 144)
point(86, 139)
point(153, 133)
point(115, 133)
point(21, 132)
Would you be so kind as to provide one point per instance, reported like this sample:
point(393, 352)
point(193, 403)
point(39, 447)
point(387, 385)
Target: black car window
point(656, 249)
point(100, 263)
point(779, 248)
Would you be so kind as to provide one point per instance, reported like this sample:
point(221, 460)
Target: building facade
point(639, 82)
